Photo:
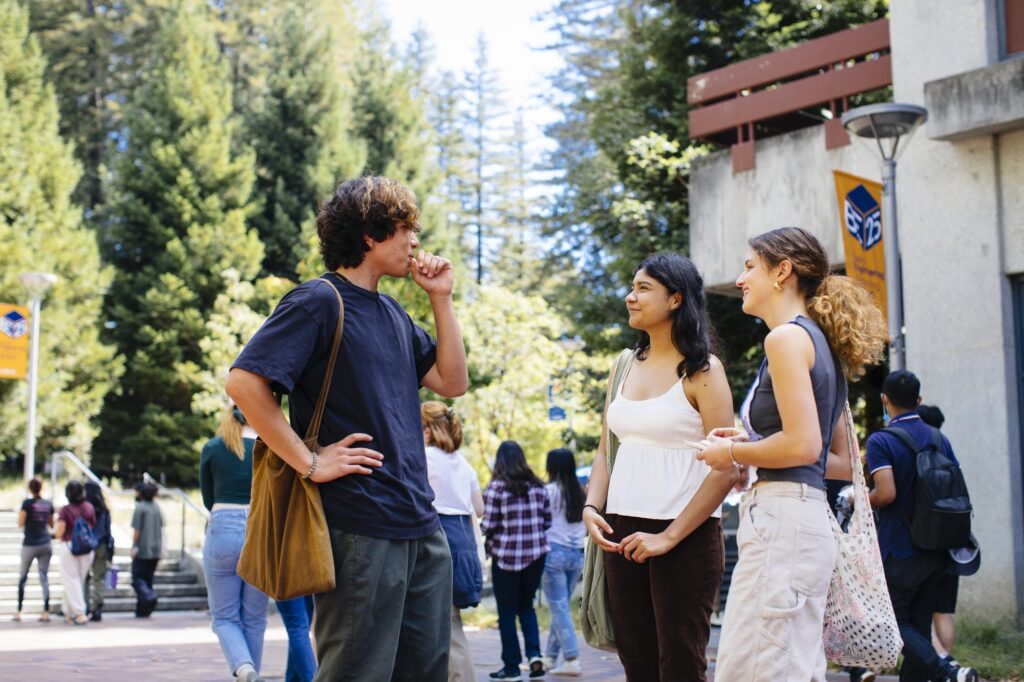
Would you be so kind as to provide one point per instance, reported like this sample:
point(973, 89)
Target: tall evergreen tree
point(94, 52)
point(42, 230)
point(300, 131)
point(391, 120)
point(623, 142)
point(451, 152)
point(483, 114)
point(517, 263)
point(179, 227)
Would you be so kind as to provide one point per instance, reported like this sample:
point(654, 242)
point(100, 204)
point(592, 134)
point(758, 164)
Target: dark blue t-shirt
point(887, 450)
point(375, 390)
point(38, 513)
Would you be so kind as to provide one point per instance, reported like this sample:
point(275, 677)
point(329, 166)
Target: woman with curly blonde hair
point(824, 330)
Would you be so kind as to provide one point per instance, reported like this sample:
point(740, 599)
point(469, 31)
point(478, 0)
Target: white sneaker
point(550, 662)
point(572, 667)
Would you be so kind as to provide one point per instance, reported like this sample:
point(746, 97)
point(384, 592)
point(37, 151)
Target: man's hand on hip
point(341, 459)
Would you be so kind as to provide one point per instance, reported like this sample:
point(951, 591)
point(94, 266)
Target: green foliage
point(95, 53)
point(177, 237)
point(623, 144)
point(996, 651)
point(389, 117)
point(41, 229)
point(299, 130)
point(512, 345)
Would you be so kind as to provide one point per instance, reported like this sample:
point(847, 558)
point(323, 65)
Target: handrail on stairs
point(175, 494)
point(186, 503)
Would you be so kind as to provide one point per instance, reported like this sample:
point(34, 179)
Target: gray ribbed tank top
point(830, 390)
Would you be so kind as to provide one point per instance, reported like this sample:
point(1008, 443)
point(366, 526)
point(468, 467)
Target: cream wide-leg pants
point(774, 615)
point(73, 572)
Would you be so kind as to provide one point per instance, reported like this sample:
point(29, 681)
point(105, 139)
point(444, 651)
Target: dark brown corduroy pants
point(661, 609)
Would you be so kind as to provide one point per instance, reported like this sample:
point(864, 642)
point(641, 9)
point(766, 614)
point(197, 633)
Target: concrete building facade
point(960, 191)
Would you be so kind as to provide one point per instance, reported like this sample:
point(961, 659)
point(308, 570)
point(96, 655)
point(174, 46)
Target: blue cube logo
point(14, 324)
point(863, 217)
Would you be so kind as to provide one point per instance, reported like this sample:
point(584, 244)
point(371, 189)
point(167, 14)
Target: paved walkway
point(180, 646)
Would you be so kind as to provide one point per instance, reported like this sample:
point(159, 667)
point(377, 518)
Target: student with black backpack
point(923, 510)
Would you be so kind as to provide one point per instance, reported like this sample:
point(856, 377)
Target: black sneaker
point(536, 667)
point(507, 674)
point(962, 674)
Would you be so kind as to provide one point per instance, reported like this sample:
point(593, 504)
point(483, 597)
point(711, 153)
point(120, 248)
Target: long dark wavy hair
point(561, 467)
point(510, 468)
point(692, 334)
point(94, 495)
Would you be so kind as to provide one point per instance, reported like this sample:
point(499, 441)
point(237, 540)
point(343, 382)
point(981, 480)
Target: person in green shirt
point(147, 544)
point(238, 610)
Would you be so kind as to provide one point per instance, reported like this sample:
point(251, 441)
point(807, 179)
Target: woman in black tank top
point(824, 330)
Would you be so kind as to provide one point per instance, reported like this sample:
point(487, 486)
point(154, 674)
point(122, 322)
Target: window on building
point(1017, 285)
point(1011, 27)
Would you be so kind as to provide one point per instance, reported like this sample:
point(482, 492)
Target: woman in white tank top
point(657, 516)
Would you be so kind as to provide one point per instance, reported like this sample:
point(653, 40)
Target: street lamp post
point(36, 285)
point(887, 124)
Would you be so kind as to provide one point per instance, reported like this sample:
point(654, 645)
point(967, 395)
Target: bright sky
point(512, 36)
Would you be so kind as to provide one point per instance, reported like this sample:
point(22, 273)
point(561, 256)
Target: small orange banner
point(860, 218)
point(13, 341)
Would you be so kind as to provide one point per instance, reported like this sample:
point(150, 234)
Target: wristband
point(732, 456)
point(594, 507)
point(312, 467)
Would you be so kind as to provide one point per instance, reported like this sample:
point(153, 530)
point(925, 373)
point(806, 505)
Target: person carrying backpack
point(74, 528)
point(920, 497)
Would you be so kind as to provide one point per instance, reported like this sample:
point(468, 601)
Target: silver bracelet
point(732, 456)
point(312, 467)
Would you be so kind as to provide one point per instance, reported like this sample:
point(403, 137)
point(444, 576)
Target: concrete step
point(171, 596)
point(111, 605)
point(8, 578)
point(123, 590)
point(12, 562)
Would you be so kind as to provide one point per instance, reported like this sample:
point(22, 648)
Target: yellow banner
point(860, 218)
point(13, 341)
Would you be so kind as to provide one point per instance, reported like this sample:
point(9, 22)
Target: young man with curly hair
point(388, 617)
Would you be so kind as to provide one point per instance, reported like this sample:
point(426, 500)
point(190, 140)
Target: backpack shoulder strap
point(914, 448)
point(904, 437)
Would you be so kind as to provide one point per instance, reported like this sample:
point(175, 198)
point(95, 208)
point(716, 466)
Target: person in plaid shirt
point(517, 515)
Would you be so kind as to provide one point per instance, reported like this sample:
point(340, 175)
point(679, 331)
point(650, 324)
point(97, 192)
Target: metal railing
point(186, 505)
point(787, 90)
point(174, 503)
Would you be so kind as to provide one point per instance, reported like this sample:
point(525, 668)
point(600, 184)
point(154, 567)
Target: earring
point(777, 287)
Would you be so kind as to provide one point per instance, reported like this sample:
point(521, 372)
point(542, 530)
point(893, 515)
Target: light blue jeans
point(239, 610)
point(561, 573)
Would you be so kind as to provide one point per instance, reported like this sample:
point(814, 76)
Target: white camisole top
point(655, 475)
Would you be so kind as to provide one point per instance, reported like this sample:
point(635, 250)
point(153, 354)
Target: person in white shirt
point(565, 561)
point(457, 497)
point(656, 516)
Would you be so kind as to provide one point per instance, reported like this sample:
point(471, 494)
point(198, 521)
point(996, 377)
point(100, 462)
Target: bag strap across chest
point(622, 364)
point(318, 412)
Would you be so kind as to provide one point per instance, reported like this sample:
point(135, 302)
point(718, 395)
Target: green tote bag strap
point(619, 372)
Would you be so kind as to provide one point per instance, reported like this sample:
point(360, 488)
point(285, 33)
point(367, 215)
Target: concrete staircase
point(178, 584)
